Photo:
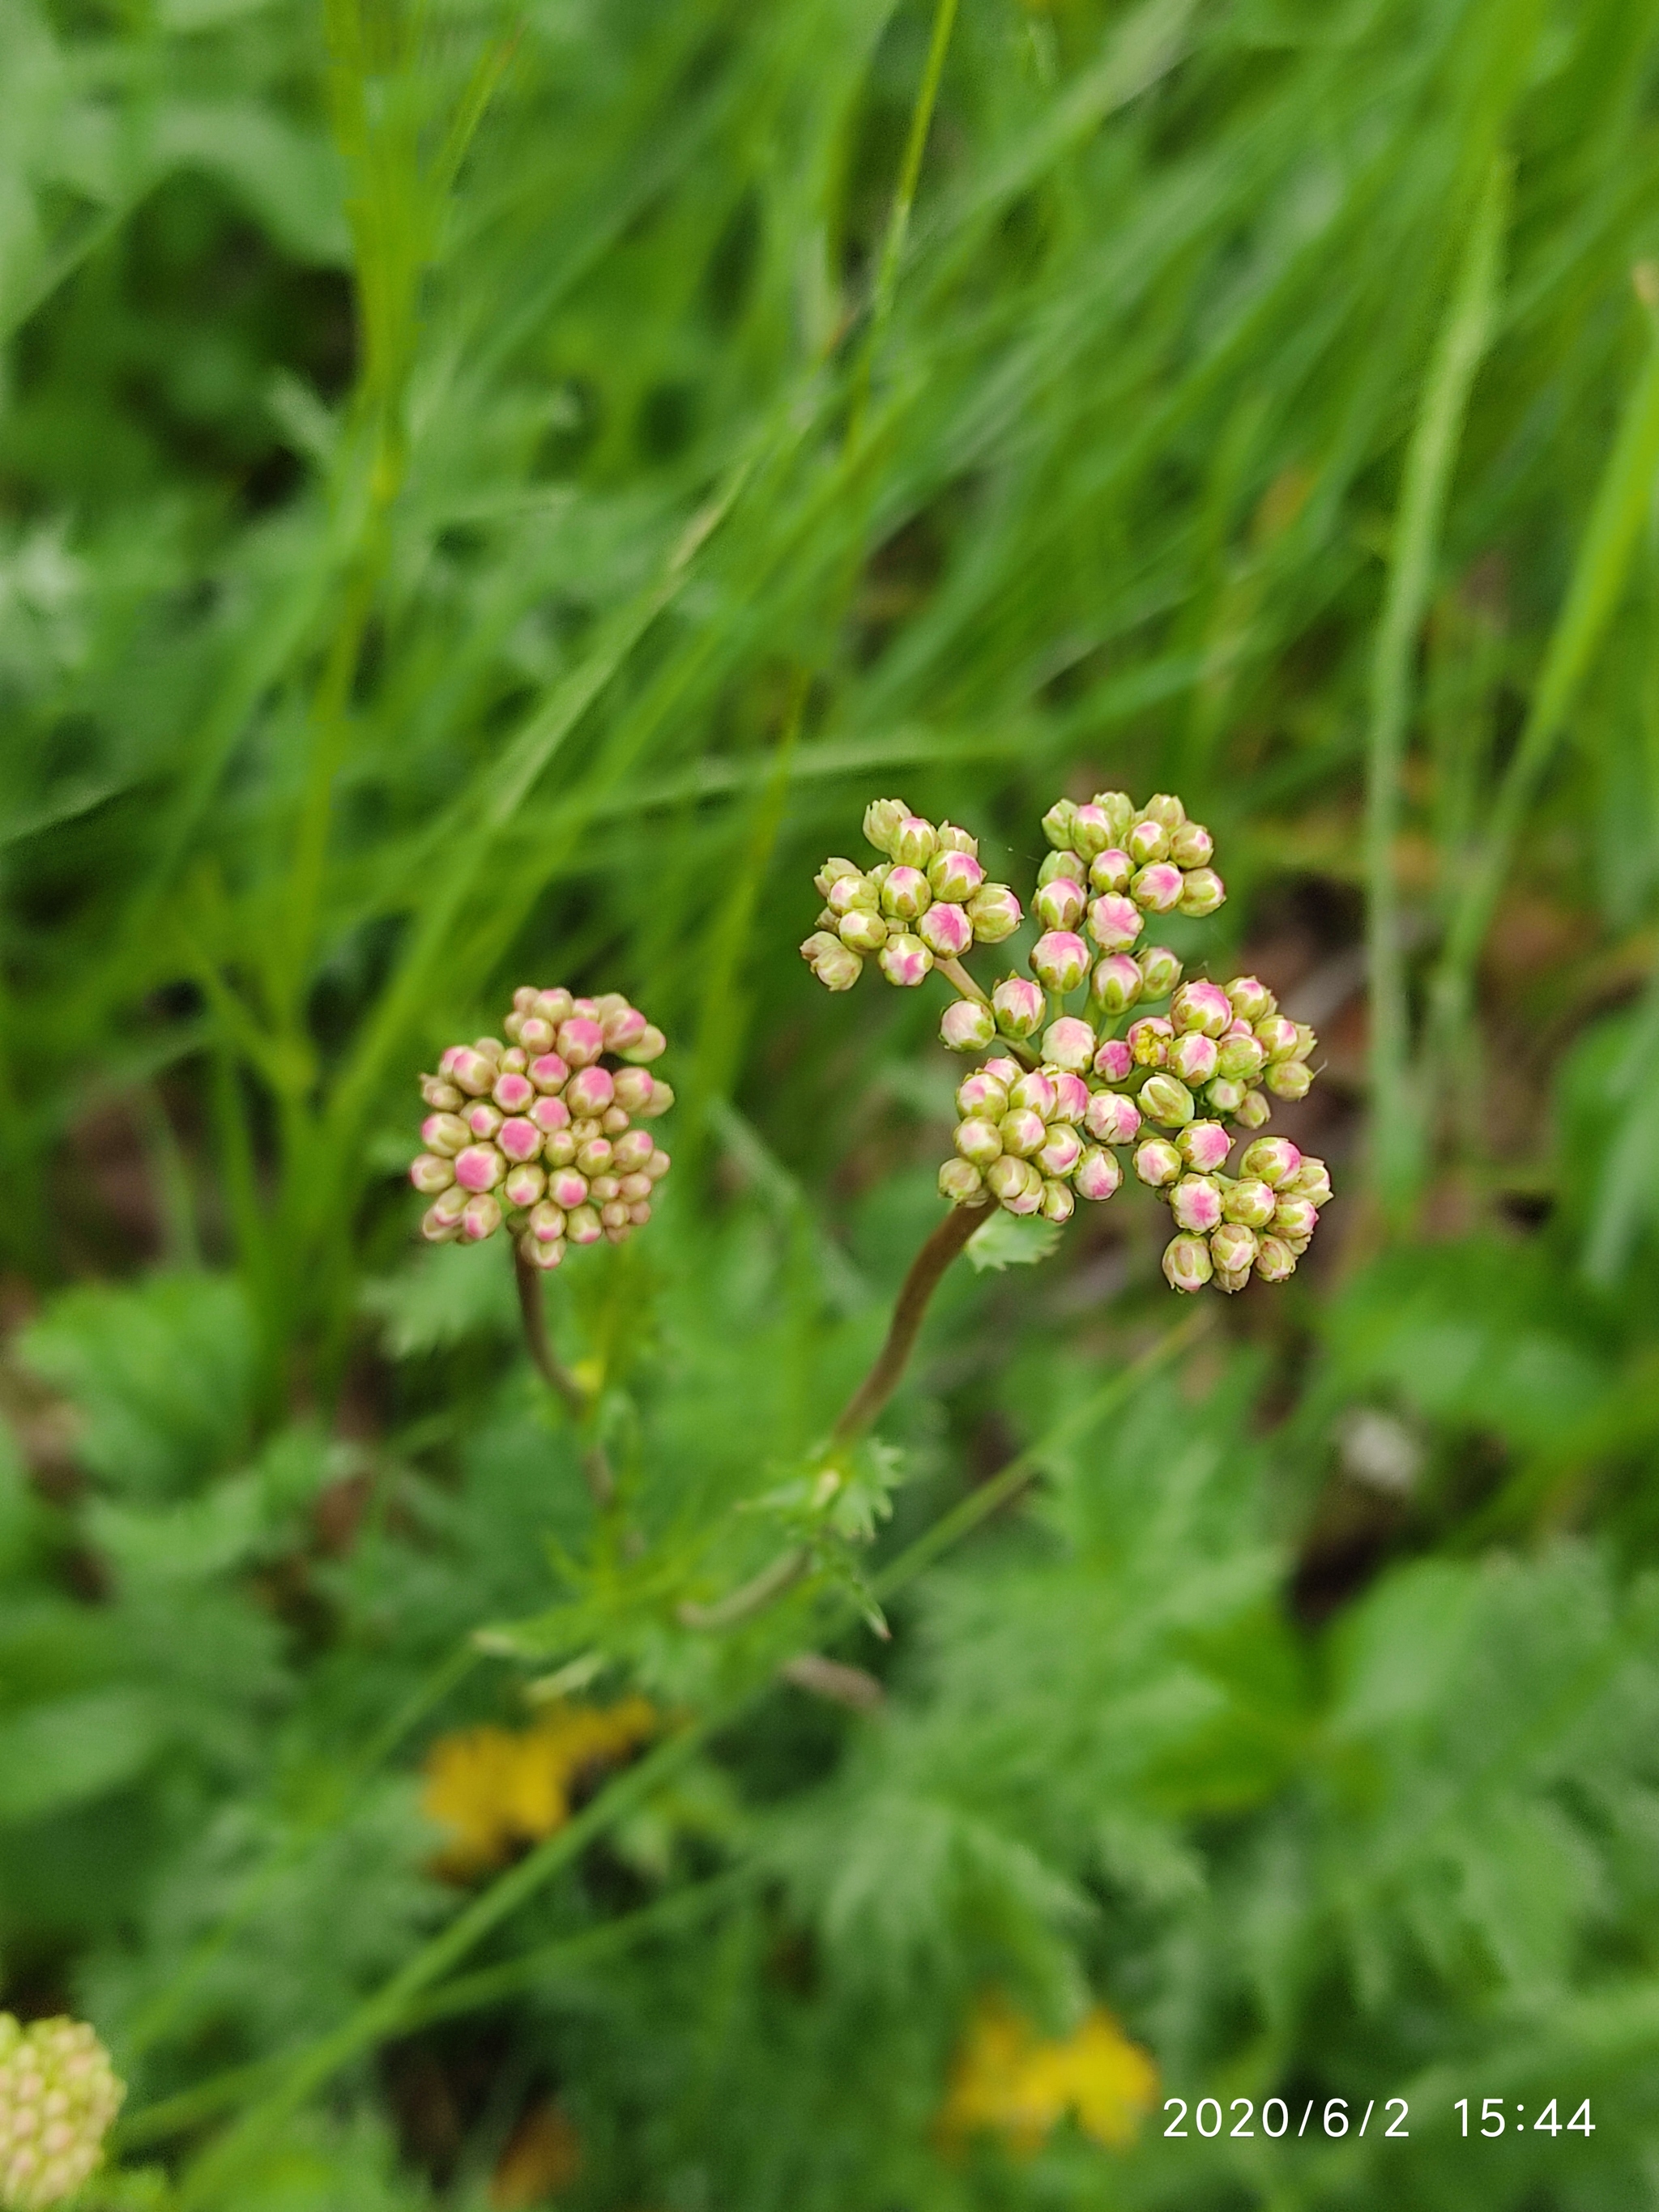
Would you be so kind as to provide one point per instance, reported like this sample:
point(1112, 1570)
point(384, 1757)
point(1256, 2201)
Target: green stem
point(596, 1466)
point(926, 1273)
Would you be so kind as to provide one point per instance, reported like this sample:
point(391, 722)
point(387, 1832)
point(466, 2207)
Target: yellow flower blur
point(495, 1788)
point(1010, 2081)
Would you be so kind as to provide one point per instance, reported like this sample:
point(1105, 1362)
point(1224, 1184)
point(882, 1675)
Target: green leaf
point(1011, 1240)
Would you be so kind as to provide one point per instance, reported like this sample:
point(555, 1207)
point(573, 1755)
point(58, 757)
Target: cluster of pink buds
point(538, 1132)
point(57, 2097)
point(1170, 1070)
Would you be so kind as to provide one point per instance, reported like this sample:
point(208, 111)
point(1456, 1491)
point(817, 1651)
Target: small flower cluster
point(58, 2095)
point(538, 1132)
point(1038, 1122)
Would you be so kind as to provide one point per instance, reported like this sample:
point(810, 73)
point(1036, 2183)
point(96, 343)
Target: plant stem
point(596, 1467)
point(926, 1272)
point(954, 973)
point(754, 1595)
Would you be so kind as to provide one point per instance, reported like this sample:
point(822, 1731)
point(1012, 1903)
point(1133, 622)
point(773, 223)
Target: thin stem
point(955, 973)
point(751, 1597)
point(596, 1467)
point(926, 1272)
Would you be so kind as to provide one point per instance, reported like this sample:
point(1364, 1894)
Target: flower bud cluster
point(1259, 1222)
point(539, 1133)
point(927, 899)
point(57, 2097)
point(1035, 1140)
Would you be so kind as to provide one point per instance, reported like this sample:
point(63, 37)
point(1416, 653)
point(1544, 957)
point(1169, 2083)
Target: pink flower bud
point(1274, 1259)
point(523, 998)
point(1201, 892)
point(983, 1093)
point(594, 1156)
point(442, 1097)
point(1204, 1145)
point(905, 960)
point(636, 1189)
point(881, 821)
point(952, 840)
point(945, 931)
point(966, 1025)
point(471, 1072)
point(1062, 1151)
point(614, 1121)
point(523, 1186)
point(1112, 1119)
point(979, 1141)
point(905, 895)
point(1114, 1060)
point(1240, 1059)
point(555, 1007)
point(1057, 823)
point(1311, 1180)
point(1147, 843)
point(631, 1151)
point(650, 1044)
point(954, 877)
point(836, 966)
point(481, 1217)
point(590, 1092)
point(1033, 1093)
point(633, 1088)
point(1120, 811)
point(1251, 1000)
point(1097, 1175)
point(659, 1101)
point(1249, 1202)
point(835, 870)
point(1160, 971)
point(1157, 1162)
point(583, 1225)
point(549, 1072)
point(639, 1211)
point(479, 1167)
point(1116, 982)
point(1195, 1202)
point(1157, 888)
point(1165, 808)
point(1059, 959)
point(1114, 922)
point(1272, 1160)
point(514, 1061)
point(550, 1115)
point(581, 1041)
point(536, 1036)
point(444, 1133)
point(1060, 904)
point(1277, 1037)
point(1071, 1096)
point(1091, 829)
point(1191, 845)
point(853, 893)
point(1295, 1219)
point(962, 1184)
point(614, 1214)
point(623, 1027)
point(431, 1172)
point(491, 1047)
point(1289, 1079)
point(1253, 1111)
point(1015, 1184)
point(1192, 1058)
point(483, 1119)
point(545, 1256)
point(1223, 1097)
point(996, 914)
point(520, 1140)
point(915, 843)
point(1228, 1280)
point(1149, 1040)
point(1018, 1004)
point(1023, 1132)
point(1111, 870)
point(1200, 1006)
point(658, 1166)
point(567, 1188)
point(513, 1092)
point(439, 1228)
point(602, 1188)
point(1187, 1264)
point(1233, 1248)
point(1062, 863)
point(1006, 1071)
point(1055, 1201)
point(449, 1204)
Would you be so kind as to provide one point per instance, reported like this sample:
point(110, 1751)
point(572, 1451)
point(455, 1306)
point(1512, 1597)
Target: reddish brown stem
point(596, 1467)
point(926, 1272)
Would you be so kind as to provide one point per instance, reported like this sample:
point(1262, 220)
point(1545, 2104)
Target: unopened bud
point(905, 960)
point(1251, 1000)
point(983, 1093)
point(1018, 1006)
point(1091, 829)
point(479, 1167)
point(444, 1133)
point(1195, 1202)
point(1014, 1183)
point(1295, 1219)
point(555, 1007)
point(851, 892)
point(1191, 845)
point(1311, 1180)
point(590, 1092)
point(1165, 808)
point(979, 1141)
point(1157, 888)
point(431, 1172)
point(1055, 1202)
point(1233, 1248)
point(1062, 1151)
point(966, 1025)
point(1065, 862)
point(483, 1118)
point(1274, 1259)
point(1157, 1162)
point(1223, 1097)
point(1057, 823)
point(443, 1098)
point(449, 1204)
point(544, 1256)
point(1069, 1043)
point(1187, 1263)
point(1192, 1058)
point(1112, 1118)
point(952, 840)
point(1071, 1096)
point(471, 1072)
point(1032, 1093)
point(996, 914)
point(439, 1228)
point(1114, 922)
point(633, 1088)
point(1202, 892)
point(1117, 982)
point(945, 931)
point(550, 1115)
point(1023, 1132)
point(905, 895)
point(549, 1072)
point(1252, 1111)
point(583, 1225)
point(518, 1139)
point(1147, 843)
point(1165, 1099)
point(915, 843)
point(1096, 1176)
point(1160, 971)
point(1007, 1072)
point(1149, 1040)
point(481, 1217)
point(1277, 1037)
point(625, 1028)
point(1111, 870)
point(1289, 1079)
point(1113, 1061)
point(1204, 1145)
point(581, 1041)
point(862, 933)
point(523, 1186)
point(1060, 904)
point(1272, 1160)
point(650, 1045)
point(1059, 959)
point(1200, 1006)
point(1120, 812)
point(954, 877)
point(1240, 1059)
point(881, 821)
point(658, 1166)
point(567, 1188)
point(962, 1184)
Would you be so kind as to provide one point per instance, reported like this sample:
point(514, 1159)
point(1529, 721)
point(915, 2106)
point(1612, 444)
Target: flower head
point(59, 2096)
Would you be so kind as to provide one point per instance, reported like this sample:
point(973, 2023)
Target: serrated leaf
point(1011, 1240)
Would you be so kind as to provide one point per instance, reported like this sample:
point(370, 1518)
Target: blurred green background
point(486, 499)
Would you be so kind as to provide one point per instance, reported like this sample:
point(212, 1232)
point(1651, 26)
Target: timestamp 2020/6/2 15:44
point(1335, 2116)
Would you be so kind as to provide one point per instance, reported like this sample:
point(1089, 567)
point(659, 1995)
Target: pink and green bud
point(1069, 1043)
point(1187, 1264)
point(1200, 1006)
point(544, 1256)
point(1157, 888)
point(1251, 1000)
point(1060, 904)
point(1295, 1219)
point(650, 1044)
point(555, 1007)
point(905, 895)
point(915, 843)
point(1114, 922)
point(444, 1133)
point(1070, 1095)
point(1204, 1145)
point(523, 1186)
point(581, 1041)
point(635, 1188)
point(1277, 1037)
point(519, 1139)
point(1057, 823)
point(624, 1027)
point(1059, 959)
point(1253, 1111)
point(996, 914)
point(1096, 1176)
point(659, 1101)
point(479, 1168)
point(1195, 1202)
point(1160, 971)
point(594, 1157)
point(853, 894)
point(483, 1119)
point(1289, 1079)
point(431, 1172)
point(633, 1089)
point(1055, 1201)
point(835, 870)
point(1192, 1058)
point(1147, 844)
point(471, 1071)
point(1149, 1040)
point(962, 1184)
point(639, 1212)
point(1166, 1100)
point(1007, 1072)
point(1274, 1261)
point(615, 1214)
point(1112, 1118)
point(1306, 1040)
point(1115, 1060)
point(952, 840)
point(945, 931)
point(1202, 892)
point(983, 1093)
point(882, 819)
point(1191, 845)
point(1065, 863)
point(514, 1061)
point(1272, 1160)
point(1157, 1162)
point(1240, 1059)
point(1014, 1183)
point(536, 1036)
point(905, 961)
point(449, 1204)
point(979, 1141)
point(552, 1117)
point(1062, 1151)
point(1091, 829)
point(439, 1228)
point(442, 1097)
point(954, 877)
point(1022, 1132)
point(966, 1025)
point(590, 1092)
point(1019, 1006)
point(1032, 1093)
point(481, 1217)
point(1311, 1180)
point(1165, 808)
point(1233, 1283)
point(1120, 812)
point(583, 1225)
point(1223, 1097)
point(567, 1188)
point(1233, 1248)
point(1111, 870)
point(549, 1072)
point(1117, 983)
point(658, 1166)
